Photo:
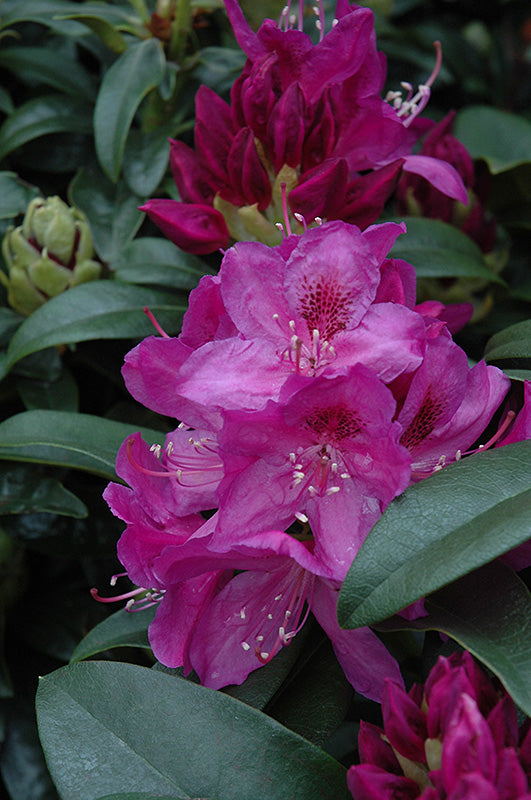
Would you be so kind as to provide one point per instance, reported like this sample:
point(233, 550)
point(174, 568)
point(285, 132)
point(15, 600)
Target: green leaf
point(25, 491)
point(145, 160)
point(122, 629)
point(316, 697)
point(45, 114)
point(153, 260)
point(59, 395)
point(512, 343)
point(80, 441)
point(438, 250)
point(15, 195)
point(6, 103)
point(111, 210)
point(488, 612)
point(113, 727)
point(138, 70)
point(437, 531)
point(502, 139)
point(44, 65)
point(143, 796)
point(42, 12)
point(96, 310)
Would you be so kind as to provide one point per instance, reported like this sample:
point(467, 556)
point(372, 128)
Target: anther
point(301, 517)
point(333, 490)
point(246, 646)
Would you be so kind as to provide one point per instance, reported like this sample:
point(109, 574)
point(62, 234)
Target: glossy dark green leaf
point(437, 531)
point(15, 195)
point(145, 160)
point(489, 613)
point(44, 65)
point(59, 395)
point(121, 629)
point(502, 139)
point(138, 70)
point(42, 12)
point(26, 491)
point(512, 343)
point(316, 697)
point(152, 260)
point(80, 441)
point(111, 209)
point(438, 250)
point(144, 796)
point(43, 115)
point(110, 727)
point(96, 310)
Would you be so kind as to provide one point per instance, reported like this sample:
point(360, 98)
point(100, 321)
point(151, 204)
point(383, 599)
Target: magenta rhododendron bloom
point(303, 116)
point(221, 624)
point(311, 391)
point(456, 738)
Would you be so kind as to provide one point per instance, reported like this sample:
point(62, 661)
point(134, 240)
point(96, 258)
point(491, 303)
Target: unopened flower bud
point(51, 251)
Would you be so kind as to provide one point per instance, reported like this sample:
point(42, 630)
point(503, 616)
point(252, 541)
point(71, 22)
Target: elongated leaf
point(80, 441)
point(14, 197)
point(111, 209)
point(42, 12)
point(143, 796)
point(122, 629)
point(438, 250)
point(52, 68)
point(110, 727)
point(25, 492)
point(138, 70)
point(97, 310)
point(437, 531)
point(45, 114)
point(152, 260)
point(145, 160)
point(59, 395)
point(489, 613)
point(512, 343)
point(502, 139)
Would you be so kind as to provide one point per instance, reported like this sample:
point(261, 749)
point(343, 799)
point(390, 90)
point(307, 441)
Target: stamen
point(117, 598)
point(283, 189)
point(301, 517)
point(301, 220)
point(155, 323)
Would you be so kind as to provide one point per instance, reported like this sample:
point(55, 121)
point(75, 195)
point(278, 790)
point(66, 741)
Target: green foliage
point(219, 746)
point(438, 530)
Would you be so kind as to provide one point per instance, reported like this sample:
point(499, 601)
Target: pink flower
point(306, 116)
point(328, 455)
point(221, 624)
point(456, 738)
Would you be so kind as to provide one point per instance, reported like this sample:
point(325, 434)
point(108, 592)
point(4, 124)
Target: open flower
point(306, 116)
point(220, 623)
point(456, 738)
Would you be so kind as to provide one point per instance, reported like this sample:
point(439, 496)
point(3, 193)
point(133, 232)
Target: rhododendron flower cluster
point(307, 115)
point(311, 391)
point(456, 738)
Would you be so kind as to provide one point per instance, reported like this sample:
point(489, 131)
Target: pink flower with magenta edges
point(456, 738)
point(304, 116)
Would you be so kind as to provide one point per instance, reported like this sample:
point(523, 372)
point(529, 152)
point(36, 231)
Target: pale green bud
point(50, 252)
